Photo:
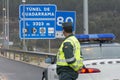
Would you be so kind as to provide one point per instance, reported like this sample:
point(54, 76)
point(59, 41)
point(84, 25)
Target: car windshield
point(104, 52)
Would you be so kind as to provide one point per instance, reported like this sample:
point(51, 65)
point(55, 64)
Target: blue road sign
point(37, 29)
point(65, 16)
point(37, 21)
point(37, 11)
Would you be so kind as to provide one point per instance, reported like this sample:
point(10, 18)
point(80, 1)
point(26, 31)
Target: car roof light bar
point(95, 37)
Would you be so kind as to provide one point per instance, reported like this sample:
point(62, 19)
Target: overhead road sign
point(37, 21)
point(64, 16)
point(35, 11)
point(37, 29)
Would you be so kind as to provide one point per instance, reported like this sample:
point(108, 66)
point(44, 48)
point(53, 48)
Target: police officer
point(69, 59)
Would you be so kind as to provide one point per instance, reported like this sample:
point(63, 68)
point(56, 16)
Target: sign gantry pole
point(6, 23)
point(85, 13)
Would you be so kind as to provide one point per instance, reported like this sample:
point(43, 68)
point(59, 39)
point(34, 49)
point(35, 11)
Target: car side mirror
point(50, 60)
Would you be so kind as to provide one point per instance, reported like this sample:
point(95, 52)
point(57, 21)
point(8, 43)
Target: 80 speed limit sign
point(64, 16)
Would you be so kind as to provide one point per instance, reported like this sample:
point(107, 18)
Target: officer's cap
point(67, 24)
point(67, 27)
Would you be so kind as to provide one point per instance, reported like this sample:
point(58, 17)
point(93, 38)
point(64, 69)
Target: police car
point(101, 58)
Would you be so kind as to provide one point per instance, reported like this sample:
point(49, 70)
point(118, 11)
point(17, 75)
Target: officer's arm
point(68, 52)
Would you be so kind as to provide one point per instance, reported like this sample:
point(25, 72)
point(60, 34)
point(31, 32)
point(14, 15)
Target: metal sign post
point(24, 42)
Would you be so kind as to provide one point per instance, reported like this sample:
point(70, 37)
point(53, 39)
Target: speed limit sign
point(64, 16)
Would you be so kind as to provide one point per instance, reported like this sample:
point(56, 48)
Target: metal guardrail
point(31, 57)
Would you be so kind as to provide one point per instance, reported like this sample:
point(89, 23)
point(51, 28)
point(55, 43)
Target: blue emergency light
point(95, 37)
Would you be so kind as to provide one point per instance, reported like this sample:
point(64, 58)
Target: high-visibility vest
point(61, 61)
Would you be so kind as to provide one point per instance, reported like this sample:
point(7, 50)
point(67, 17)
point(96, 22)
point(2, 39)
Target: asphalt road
point(14, 70)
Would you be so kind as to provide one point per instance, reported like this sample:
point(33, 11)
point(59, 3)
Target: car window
point(110, 52)
point(101, 52)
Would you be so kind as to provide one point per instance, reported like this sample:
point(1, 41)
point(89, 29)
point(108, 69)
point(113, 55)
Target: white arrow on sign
point(34, 30)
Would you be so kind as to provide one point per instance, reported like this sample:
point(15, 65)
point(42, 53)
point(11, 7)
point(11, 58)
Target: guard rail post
point(9, 56)
point(14, 56)
point(38, 60)
point(20, 57)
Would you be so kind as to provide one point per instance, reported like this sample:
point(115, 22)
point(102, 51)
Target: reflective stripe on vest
point(66, 60)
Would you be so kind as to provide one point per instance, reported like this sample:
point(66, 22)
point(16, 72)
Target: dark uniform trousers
point(67, 76)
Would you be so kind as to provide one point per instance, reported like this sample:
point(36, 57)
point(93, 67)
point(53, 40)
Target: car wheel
point(44, 77)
